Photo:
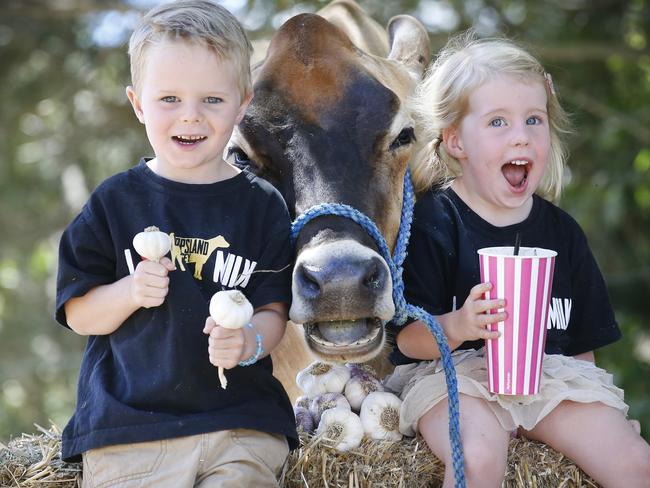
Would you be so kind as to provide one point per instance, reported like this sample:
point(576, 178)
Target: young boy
point(150, 411)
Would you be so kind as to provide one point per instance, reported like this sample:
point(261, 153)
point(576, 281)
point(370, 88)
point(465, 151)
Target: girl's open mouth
point(516, 173)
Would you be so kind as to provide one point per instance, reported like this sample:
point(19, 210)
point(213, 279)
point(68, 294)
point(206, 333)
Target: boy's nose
point(191, 115)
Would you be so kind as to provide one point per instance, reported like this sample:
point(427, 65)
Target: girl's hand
point(225, 346)
point(471, 321)
point(150, 283)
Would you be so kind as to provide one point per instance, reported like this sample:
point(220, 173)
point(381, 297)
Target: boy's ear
point(135, 103)
point(452, 142)
point(243, 107)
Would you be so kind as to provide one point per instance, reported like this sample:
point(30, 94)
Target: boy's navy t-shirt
point(442, 266)
point(151, 379)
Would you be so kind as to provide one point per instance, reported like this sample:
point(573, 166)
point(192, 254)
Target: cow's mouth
point(345, 338)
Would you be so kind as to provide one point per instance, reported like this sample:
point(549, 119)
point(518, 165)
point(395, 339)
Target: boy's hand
point(472, 319)
point(225, 346)
point(150, 283)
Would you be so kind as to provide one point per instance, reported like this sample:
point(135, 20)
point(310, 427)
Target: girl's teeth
point(518, 162)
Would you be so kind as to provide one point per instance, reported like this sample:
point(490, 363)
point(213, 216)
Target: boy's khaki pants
point(237, 458)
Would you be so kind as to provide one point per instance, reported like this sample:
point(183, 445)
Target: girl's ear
point(452, 142)
point(135, 103)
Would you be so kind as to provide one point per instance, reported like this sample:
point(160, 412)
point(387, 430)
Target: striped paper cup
point(514, 360)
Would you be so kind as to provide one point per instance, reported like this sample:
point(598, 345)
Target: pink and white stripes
point(514, 360)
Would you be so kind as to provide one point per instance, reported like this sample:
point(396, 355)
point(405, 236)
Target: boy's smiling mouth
point(189, 140)
point(516, 172)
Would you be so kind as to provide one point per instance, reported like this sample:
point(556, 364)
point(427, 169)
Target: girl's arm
point(465, 324)
point(105, 308)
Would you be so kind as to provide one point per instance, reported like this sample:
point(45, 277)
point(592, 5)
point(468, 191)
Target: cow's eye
point(240, 158)
point(406, 136)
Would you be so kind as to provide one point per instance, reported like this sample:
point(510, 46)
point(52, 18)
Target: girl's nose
point(520, 136)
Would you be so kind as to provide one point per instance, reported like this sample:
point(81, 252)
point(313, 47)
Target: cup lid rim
point(507, 251)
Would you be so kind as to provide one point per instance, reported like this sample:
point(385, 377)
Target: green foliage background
point(65, 126)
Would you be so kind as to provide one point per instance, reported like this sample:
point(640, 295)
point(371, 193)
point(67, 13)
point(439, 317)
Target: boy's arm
point(104, 308)
point(270, 320)
point(228, 347)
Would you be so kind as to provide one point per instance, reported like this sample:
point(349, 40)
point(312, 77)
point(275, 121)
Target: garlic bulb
point(325, 401)
point(342, 427)
point(321, 377)
point(361, 369)
point(304, 420)
point(303, 401)
point(232, 310)
point(380, 416)
point(359, 386)
point(152, 244)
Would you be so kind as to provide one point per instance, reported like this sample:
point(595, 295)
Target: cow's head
point(328, 123)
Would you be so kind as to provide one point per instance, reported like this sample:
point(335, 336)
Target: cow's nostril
point(375, 276)
point(308, 280)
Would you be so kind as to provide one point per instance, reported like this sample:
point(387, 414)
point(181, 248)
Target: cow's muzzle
point(342, 291)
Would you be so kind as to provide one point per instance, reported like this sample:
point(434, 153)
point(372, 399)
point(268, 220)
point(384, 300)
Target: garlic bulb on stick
point(232, 310)
point(380, 416)
point(321, 377)
point(152, 244)
point(342, 427)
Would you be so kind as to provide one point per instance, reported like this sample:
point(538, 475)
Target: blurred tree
point(67, 126)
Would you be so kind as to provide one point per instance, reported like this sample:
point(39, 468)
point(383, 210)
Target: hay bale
point(410, 464)
point(32, 461)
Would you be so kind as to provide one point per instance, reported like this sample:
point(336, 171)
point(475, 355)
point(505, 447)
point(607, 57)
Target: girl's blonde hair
point(196, 21)
point(441, 101)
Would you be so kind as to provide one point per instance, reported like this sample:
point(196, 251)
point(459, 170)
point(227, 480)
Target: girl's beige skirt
point(422, 385)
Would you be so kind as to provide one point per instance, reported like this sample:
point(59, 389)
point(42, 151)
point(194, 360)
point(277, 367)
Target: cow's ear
point(409, 43)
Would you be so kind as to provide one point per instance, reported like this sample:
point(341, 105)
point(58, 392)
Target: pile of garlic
point(345, 402)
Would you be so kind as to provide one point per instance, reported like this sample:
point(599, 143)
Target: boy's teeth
point(190, 138)
point(519, 162)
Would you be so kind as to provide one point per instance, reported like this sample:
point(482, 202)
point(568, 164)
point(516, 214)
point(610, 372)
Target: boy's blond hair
point(441, 101)
point(195, 21)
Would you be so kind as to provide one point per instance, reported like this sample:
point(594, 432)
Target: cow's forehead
point(313, 66)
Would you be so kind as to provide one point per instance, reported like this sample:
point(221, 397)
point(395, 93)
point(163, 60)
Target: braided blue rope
point(403, 310)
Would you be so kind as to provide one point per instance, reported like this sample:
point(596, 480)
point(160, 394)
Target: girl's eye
point(534, 120)
point(498, 122)
point(213, 100)
point(169, 99)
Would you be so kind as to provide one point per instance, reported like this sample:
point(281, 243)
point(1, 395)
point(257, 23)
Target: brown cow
point(329, 123)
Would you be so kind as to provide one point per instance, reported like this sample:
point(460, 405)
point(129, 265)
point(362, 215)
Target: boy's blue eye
point(498, 122)
point(213, 100)
point(169, 99)
point(534, 120)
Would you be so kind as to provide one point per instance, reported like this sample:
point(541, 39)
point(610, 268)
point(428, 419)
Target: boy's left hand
point(225, 346)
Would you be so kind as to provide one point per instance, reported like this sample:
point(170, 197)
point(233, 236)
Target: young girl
point(494, 122)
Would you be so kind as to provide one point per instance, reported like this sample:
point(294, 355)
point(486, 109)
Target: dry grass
point(410, 464)
point(34, 461)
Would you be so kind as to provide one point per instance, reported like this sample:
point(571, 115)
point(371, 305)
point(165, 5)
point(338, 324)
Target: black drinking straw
point(517, 243)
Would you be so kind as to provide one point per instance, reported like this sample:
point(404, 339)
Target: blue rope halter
point(403, 310)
